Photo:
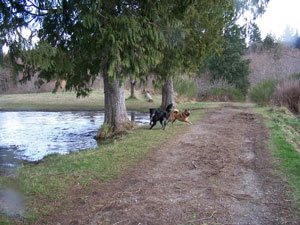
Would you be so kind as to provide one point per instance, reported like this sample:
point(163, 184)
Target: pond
point(30, 136)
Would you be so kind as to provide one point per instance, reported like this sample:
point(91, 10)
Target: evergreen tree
point(189, 41)
point(254, 37)
point(225, 57)
point(230, 65)
point(255, 7)
point(254, 34)
point(205, 24)
point(269, 42)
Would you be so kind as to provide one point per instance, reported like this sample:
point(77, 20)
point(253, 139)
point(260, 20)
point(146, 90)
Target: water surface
point(30, 136)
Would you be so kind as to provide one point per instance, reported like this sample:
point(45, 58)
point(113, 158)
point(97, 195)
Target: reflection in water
point(132, 116)
point(31, 136)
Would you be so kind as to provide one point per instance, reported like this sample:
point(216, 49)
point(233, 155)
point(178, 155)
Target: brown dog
point(181, 116)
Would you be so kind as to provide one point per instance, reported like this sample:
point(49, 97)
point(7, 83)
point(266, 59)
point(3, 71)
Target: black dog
point(160, 115)
point(153, 112)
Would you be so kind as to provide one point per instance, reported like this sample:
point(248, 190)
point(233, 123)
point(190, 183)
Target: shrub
point(295, 76)
point(185, 87)
point(221, 90)
point(287, 94)
point(263, 92)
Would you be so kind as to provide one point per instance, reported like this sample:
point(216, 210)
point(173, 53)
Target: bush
point(287, 94)
point(295, 76)
point(263, 92)
point(221, 90)
point(185, 87)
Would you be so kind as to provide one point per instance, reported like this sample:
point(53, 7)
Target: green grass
point(67, 101)
point(284, 143)
point(47, 184)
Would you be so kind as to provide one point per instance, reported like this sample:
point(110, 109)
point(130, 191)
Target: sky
point(279, 14)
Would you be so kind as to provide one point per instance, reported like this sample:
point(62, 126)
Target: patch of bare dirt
point(216, 173)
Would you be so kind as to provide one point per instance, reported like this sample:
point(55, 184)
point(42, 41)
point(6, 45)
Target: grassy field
point(66, 101)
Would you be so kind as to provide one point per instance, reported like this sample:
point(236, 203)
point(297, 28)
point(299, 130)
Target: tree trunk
point(115, 109)
point(132, 86)
point(167, 94)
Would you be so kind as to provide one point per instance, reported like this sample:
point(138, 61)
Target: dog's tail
point(175, 111)
point(169, 107)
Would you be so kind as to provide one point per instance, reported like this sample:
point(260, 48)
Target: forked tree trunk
point(115, 109)
point(167, 94)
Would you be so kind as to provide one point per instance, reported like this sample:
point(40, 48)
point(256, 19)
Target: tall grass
point(185, 87)
point(221, 90)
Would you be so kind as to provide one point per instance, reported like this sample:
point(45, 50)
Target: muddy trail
point(218, 172)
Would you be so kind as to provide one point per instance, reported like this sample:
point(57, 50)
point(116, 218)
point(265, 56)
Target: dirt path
point(217, 173)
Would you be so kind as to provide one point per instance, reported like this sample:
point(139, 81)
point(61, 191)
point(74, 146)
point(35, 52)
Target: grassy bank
point(284, 142)
point(47, 185)
point(67, 101)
